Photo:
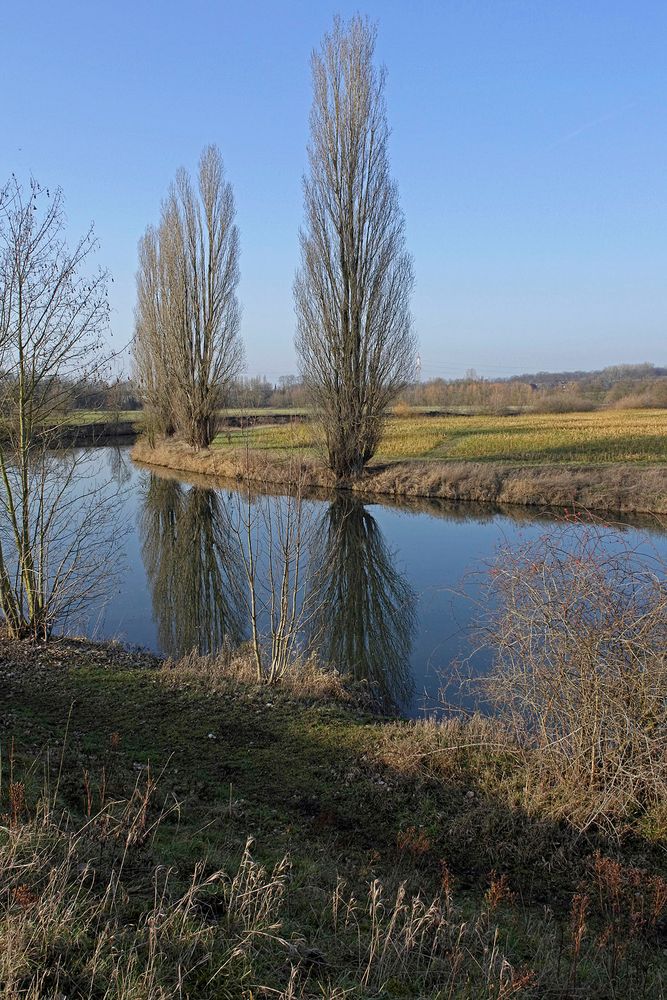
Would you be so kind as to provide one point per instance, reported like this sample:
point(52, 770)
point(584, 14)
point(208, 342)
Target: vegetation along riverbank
point(176, 826)
point(606, 461)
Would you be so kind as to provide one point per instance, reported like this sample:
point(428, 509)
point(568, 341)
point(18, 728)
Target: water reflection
point(192, 567)
point(182, 584)
point(120, 466)
point(364, 617)
point(365, 620)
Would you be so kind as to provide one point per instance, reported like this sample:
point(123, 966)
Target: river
point(397, 585)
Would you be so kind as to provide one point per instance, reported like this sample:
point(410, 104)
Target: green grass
point(600, 437)
point(266, 411)
point(82, 418)
point(321, 781)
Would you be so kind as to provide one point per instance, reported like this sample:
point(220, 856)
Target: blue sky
point(529, 143)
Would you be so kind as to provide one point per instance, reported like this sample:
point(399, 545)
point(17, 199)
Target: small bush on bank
point(578, 631)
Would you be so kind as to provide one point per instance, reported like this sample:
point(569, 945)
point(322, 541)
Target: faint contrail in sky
point(589, 125)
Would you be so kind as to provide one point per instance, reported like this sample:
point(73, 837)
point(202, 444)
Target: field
point(603, 437)
point(81, 418)
point(598, 437)
point(369, 814)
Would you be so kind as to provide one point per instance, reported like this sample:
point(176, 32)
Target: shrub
point(649, 397)
point(563, 402)
point(579, 636)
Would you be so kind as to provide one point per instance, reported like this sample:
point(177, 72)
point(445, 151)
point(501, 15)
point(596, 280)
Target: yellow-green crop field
point(596, 437)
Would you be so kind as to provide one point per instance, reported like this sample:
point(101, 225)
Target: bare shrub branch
point(579, 633)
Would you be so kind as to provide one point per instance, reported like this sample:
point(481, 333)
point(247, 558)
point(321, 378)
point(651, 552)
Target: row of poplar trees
point(352, 292)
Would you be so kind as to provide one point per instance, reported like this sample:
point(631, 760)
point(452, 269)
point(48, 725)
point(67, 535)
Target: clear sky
point(529, 143)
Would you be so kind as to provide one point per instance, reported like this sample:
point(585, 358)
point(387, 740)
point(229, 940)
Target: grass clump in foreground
point(603, 436)
point(386, 858)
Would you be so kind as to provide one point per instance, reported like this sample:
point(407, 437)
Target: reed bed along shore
point(621, 487)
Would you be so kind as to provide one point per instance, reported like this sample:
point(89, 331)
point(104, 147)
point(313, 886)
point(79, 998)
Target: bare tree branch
point(55, 539)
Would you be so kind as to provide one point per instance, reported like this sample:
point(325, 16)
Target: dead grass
point(68, 903)
point(236, 464)
point(74, 922)
point(618, 488)
point(213, 672)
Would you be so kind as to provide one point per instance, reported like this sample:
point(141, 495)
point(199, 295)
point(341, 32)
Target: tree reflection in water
point(366, 609)
point(364, 617)
point(192, 567)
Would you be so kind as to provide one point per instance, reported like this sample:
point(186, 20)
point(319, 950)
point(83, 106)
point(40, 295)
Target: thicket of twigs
point(578, 631)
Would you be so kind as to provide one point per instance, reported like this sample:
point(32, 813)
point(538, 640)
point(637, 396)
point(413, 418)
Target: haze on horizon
point(529, 145)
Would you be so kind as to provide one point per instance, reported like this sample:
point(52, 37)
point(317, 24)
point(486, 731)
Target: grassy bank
point(618, 487)
point(397, 859)
point(88, 427)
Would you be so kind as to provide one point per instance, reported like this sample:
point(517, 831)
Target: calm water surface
point(391, 609)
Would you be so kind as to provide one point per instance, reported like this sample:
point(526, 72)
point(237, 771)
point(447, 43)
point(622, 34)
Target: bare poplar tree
point(151, 340)
point(56, 541)
point(354, 334)
point(187, 348)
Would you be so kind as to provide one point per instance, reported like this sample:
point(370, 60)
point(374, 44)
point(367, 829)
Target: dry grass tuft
point(213, 672)
point(67, 910)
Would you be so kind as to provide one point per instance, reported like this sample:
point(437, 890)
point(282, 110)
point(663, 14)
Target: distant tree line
point(622, 386)
point(249, 393)
point(71, 394)
point(642, 385)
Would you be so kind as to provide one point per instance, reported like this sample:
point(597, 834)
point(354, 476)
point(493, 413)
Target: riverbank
point(92, 434)
point(169, 768)
point(617, 488)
